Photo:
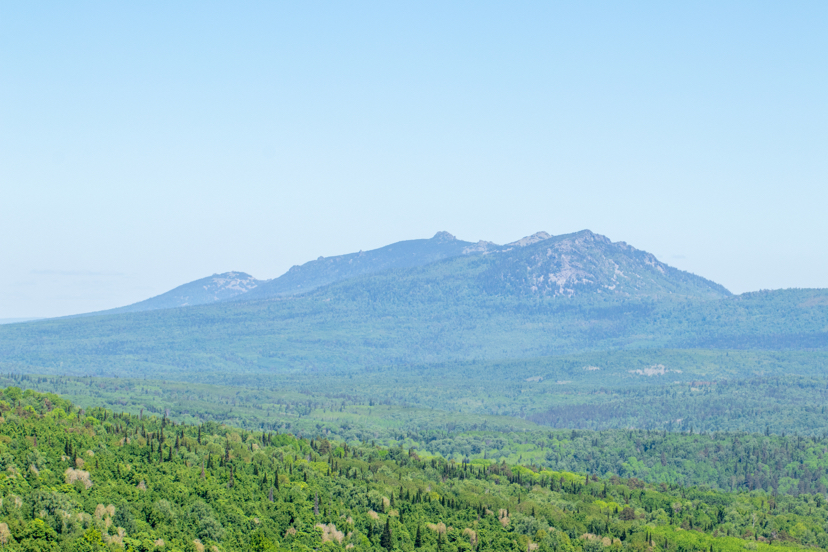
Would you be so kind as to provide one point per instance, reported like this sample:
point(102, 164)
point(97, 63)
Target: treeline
point(93, 479)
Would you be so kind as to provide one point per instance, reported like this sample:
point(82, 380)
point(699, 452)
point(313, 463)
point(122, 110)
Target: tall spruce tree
point(386, 540)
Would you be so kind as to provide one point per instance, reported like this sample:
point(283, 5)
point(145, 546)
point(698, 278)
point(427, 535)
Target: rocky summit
point(581, 264)
point(218, 287)
point(588, 263)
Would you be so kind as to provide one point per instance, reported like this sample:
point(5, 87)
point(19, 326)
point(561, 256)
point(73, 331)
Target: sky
point(145, 145)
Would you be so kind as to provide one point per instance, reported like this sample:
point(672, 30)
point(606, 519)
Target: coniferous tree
point(386, 540)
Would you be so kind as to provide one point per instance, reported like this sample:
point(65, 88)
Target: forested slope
point(772, 436)
point(403, 319)
point(559, 295)
point(98, 480)
point(327, 270)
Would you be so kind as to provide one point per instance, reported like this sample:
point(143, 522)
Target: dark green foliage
point(387, 539)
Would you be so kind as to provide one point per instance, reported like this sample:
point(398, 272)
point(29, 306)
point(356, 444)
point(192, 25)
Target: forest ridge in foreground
point(95, 480)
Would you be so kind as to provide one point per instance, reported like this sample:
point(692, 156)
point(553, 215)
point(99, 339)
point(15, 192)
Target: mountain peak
point(444, 236)
point(588, 264)
point(218, 287)
point(228, 284)
point(233, 274)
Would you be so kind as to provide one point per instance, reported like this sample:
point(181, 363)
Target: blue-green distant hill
point(538, 265)
point(324, 271)
point(431, 301)
point(307, 277)
point(218, 287)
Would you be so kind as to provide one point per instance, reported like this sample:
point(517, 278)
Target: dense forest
point(775, 430)
point(93, 479)
point(674, 390)
point(432, 314)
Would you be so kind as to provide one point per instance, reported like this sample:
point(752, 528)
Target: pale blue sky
point(145, 145)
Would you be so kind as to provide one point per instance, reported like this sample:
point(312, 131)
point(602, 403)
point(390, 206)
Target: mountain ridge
point(568, 264)
point(539, 296)
point(588, 262)
point(326, 270)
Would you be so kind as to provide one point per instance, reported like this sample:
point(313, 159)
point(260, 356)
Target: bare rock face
point(444, 236)
point(218, 287)
point(529, 240)
point(579, 264)
point(224, 286)
point(481, 247)
point(585, 263)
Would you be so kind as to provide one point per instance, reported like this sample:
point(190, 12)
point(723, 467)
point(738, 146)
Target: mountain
point(584, 264)
point(327, 270)
point(581, 264)
point(218, 287)
point(537, 297)
point(232, 286)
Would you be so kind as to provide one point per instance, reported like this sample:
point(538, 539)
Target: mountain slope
point(540, 271)
point(323, 271)
point(580, 264)
point(231, 286)
point(206, 486)
point(585, 263)
point(218, 287)
point(468, 307)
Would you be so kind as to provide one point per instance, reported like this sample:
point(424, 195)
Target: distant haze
point(147, 145)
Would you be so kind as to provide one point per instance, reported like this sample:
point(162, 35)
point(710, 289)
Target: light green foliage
point(145, 487)
point(726, 459)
